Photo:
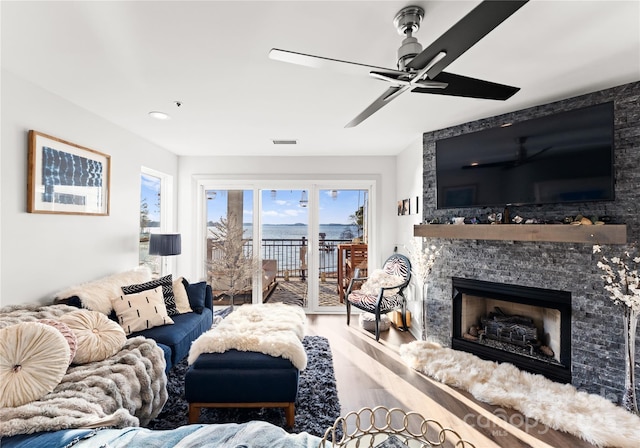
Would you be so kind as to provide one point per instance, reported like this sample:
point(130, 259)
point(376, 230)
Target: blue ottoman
point(236, 379)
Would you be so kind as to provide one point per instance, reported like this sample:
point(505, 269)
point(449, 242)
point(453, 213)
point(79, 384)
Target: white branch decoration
point(422, 259)
point(622, 282)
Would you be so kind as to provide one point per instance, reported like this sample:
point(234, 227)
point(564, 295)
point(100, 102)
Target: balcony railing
point(291, 255)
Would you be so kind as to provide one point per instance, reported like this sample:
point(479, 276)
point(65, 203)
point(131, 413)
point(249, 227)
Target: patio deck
point(294, 291)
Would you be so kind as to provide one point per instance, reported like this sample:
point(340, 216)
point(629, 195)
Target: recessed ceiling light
point(159, 115)
point(505, 125)
point(285, 142)
point(475, 163)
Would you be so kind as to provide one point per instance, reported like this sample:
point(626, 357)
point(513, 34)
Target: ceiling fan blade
point(312, 61)
point(458, 85)
point(464, 34)
point(390, 94)
point(399, 80)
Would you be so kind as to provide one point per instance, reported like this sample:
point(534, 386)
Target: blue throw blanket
point(253, 434)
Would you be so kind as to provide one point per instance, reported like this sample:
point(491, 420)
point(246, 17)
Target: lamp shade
point(165, 244)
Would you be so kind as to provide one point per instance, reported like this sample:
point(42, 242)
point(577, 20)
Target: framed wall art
point(404, 207)
point(66, 178)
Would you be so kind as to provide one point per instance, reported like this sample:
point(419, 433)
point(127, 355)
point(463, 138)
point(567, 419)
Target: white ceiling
point(121, 60)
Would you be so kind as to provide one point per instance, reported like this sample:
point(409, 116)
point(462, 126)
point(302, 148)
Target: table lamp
point(165, 244)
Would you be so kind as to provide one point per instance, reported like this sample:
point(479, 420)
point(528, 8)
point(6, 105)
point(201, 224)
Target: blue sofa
point(176, 339)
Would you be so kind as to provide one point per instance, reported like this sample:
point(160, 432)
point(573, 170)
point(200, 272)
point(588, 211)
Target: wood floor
point(369, 374)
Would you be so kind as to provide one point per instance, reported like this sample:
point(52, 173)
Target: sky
point(285, 207)
point(149, 190)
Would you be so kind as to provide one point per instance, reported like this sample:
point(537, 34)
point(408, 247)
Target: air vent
point(285, 142)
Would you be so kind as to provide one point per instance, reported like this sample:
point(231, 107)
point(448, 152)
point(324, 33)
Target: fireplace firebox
point(525, 326)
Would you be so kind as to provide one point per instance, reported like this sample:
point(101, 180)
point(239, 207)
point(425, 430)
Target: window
point(155, 188)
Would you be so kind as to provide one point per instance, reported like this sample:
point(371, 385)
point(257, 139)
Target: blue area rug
point(317, 405)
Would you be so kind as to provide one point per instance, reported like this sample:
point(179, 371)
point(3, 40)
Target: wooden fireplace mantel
point(560, 233)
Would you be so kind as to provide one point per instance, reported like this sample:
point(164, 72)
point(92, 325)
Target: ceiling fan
point(421, 70)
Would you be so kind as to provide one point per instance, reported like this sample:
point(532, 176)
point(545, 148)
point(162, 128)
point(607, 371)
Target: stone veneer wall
point(597, 337)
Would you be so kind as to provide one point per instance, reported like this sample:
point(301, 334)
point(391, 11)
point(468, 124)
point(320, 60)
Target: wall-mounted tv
point(564, 157)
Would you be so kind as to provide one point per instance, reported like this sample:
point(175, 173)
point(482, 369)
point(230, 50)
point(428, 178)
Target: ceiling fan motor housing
point(407, 22)
point(407, 51)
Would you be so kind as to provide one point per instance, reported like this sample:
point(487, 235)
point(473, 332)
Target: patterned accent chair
point(388, 297)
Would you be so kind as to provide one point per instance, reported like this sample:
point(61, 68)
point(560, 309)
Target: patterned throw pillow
point(141, 311)
point(167, 292)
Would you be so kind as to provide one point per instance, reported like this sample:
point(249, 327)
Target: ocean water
point(297, 231)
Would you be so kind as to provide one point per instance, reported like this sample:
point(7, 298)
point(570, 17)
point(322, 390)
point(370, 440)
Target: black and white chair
point(382, 291)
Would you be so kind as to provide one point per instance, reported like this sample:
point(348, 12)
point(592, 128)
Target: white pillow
point(141, 311)
point(96, 295)
point(98, 336)
point(33, 359)
point(181, 297)
point(381, 279)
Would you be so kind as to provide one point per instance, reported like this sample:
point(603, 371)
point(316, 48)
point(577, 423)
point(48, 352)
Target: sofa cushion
point(167, 291)
point(187, 327)
point(197, 294)
point(167, 356)
point(98, 337)
point(141, 311)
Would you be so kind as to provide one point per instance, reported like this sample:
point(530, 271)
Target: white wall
point(409, 185)
point(383, 169)
point(42, 254)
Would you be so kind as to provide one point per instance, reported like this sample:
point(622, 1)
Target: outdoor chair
point(382, 291)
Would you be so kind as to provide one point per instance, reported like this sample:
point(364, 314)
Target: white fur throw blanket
point(274, 329)
point(128, 389)
point(381, 279)
point(96, 295)
point(560, 406)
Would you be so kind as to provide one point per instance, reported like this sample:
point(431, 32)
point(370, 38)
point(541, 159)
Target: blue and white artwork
point(66, 178)
point(62, 169)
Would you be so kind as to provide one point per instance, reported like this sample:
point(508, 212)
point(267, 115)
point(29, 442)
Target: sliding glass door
point(284, 217)
point(297, 234)
point(230, 263)
point(342, 222)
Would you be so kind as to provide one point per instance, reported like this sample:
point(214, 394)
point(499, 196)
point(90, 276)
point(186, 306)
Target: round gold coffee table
point(388, 428)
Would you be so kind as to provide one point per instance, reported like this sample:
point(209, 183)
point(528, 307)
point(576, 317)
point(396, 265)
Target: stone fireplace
point(593, 359)
point(544, 317)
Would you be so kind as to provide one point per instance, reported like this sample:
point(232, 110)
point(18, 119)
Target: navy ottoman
point(236, 379)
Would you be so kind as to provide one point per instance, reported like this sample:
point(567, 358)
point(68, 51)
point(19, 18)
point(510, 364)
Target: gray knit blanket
point(128, 389)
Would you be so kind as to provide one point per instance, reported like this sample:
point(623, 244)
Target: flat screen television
point(560, 158)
